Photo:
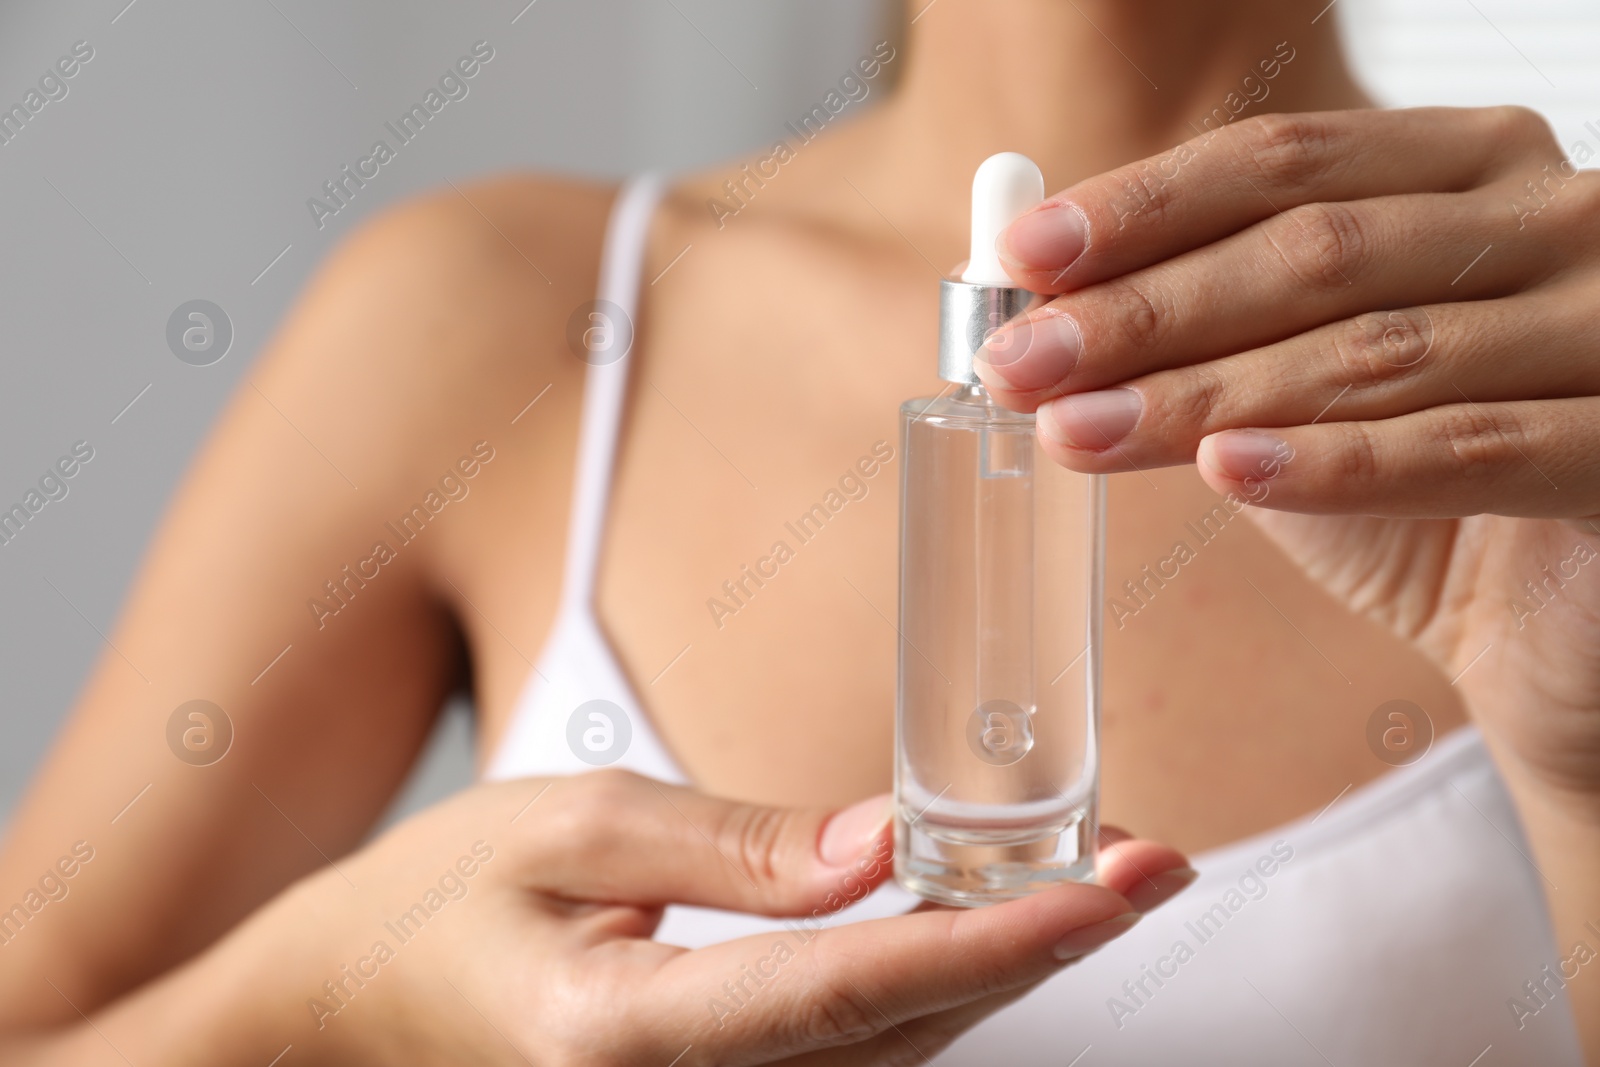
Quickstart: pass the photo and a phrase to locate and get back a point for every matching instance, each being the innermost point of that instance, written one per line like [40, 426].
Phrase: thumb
[621, 838]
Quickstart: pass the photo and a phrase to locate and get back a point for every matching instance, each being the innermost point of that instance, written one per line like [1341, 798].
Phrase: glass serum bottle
[1001, 560]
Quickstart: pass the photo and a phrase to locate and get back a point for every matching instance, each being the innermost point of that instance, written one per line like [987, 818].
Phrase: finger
[620, 838]
[1314, 265]
[1374, 366]
[844, 985]
[1231, 177]
[1533, 459]
[916, 1041]
[1146, 873]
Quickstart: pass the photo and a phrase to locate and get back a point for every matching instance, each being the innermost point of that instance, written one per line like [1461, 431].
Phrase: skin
[210, 912]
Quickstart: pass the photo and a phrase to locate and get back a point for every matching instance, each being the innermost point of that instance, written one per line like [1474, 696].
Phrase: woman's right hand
[542, 953]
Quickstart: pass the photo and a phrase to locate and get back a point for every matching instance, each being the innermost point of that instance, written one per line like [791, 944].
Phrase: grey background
[179, 164]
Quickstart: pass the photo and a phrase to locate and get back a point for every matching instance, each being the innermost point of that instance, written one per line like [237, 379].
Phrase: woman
[1350, 304]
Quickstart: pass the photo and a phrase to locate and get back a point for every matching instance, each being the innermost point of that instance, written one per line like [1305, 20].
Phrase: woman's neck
[1082, 86]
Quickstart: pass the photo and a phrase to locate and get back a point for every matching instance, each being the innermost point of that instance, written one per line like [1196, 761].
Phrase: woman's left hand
[1348, 315]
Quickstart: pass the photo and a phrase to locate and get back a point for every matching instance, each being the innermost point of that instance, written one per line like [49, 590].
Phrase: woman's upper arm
[286, 588]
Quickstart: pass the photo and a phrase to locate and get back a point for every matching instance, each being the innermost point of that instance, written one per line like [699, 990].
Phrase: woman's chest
[748, 577]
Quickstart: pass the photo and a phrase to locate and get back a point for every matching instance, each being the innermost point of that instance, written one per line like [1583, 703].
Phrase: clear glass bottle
[1001, 560]
[997, 730]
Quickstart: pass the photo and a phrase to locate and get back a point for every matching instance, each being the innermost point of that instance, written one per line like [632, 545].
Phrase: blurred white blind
[1541, 53]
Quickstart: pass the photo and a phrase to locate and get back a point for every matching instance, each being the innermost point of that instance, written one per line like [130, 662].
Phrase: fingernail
[1050, 237]
[850, 831]
[1034, 352]
[1091, 421]
[1086, 939]
[1157, 889]
[1241, 454]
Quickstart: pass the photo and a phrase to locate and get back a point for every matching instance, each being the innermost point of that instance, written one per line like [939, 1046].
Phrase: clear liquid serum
[1001, 560]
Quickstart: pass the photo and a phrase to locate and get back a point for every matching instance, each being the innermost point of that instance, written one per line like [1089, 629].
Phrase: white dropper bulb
[1004, 187]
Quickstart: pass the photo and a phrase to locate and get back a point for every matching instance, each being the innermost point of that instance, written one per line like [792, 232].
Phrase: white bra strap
[609, 339]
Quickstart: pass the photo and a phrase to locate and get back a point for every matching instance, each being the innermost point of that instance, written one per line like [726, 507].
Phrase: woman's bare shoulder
[442, 329]
[455, 301]
[441, 332]
[434, 325]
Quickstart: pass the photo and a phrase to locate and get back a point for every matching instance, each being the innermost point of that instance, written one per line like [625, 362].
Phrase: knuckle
[1200, 399]
[990, 977]
[1140, 315]
[1285, 151]
[604, 795]
[1583, 195]
[757, 836]
[1521, 126]
[592, 809]
[1323, 245]
[1478, 440]
[838, 1015]
[833, 1009]
[1374, 350]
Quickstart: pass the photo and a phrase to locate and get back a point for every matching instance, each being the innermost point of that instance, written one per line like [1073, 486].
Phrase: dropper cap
[984, 299]
[1004, 187]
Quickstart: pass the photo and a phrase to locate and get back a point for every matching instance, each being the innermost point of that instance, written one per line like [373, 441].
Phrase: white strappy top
[1405, 925]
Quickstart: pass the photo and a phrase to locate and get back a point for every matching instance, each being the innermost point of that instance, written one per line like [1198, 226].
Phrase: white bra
[1400, 926]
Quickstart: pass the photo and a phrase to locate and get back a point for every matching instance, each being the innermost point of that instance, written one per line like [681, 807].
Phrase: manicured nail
[1050, 237]
[1157, 889]
[851, 831]
[1034, 352]
[1241, 454]
[1086, 939]
[1091, 421]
